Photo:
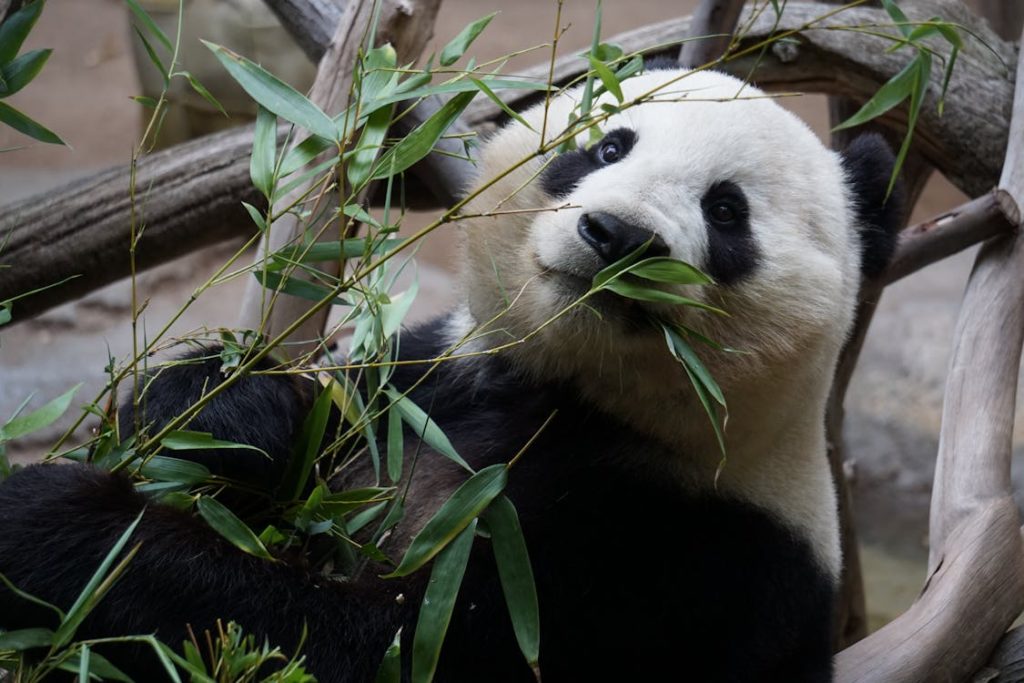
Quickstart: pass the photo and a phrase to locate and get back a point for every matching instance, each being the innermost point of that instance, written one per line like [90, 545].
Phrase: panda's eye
[609, 152]
[723, 213]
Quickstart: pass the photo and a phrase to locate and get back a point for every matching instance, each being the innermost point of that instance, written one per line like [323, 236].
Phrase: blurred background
[894, 402]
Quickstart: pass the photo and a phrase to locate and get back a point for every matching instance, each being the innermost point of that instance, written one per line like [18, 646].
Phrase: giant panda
[654, 559]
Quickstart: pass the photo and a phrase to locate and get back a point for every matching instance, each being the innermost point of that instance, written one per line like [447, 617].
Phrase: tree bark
[711, 29]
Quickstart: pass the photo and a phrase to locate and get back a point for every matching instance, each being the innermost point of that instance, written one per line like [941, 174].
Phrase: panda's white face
[718, 175]
[714, 174]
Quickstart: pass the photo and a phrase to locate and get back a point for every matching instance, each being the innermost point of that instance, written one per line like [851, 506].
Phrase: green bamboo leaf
[274, 94]
[186, 440]
[641, 293]
[37, 419]
[88, 663]
[5, 313]
[264, 151]
[150, 25]
[898, 17]
[663, 269]
[608, 79]
[303, 153]
[30, 598]
[922, 78]
[950, 63]
[26, 639]
[950, 33]
[224, 522]
[616, 269]
[100, 582]
[468, 501]
[685, 354]
[15, 29]
[371, 141]
[23, 124]
[396, 445]
[294, 286]
[421, 140]
[20, 72]
[509, 111]
[424, 427]
[392, 314]
[460, 86]
[307, 447]
[153, 57]
[165, 469]
[895, 90]
[147, 102]
[256, 215]
[354, 247]
[390, 670]
[201, 90]
[460, 43]
[516, 574]
[439, 603]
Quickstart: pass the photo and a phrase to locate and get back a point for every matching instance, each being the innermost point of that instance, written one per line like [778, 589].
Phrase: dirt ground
[83, 93]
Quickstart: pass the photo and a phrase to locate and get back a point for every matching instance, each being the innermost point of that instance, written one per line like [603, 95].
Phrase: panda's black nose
[613, 239]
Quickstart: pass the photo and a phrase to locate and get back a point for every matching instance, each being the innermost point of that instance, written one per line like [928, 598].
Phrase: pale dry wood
[966, 143]
[711, 28]
[310, 22]
[950, 233]
[408, 26]
[1007, 662]
[968, 602]
[82, 231]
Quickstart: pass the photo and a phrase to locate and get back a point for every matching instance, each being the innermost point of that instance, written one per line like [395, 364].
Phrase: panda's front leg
[58, 522]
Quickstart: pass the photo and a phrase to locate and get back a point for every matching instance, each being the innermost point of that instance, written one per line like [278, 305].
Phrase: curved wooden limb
[711, 29]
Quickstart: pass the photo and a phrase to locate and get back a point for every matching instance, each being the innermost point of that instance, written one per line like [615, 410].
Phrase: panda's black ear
[868, 162]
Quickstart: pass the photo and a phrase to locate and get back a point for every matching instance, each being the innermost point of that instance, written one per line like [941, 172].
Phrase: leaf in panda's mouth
[625, 278]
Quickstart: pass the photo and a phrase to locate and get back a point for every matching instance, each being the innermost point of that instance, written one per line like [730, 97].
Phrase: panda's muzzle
[614, 239]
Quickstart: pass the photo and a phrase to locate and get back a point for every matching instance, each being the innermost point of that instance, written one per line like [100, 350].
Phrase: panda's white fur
[789, 320]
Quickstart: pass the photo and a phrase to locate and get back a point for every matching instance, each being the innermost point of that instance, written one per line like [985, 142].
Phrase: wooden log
[82, 230]
[407, 26]
[711, 29]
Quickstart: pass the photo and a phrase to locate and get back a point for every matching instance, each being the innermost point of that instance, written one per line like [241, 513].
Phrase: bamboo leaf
[419, 143]
[264, 151]
[439, 603]
[509, 111]
[662, 269]
[307, 447]
[166, 469]
[150, 25]
[392, 314]
[460, 43]
[274, 94]
[256, 216]
[15, 29]
[185, 440]
[425, 428]
[295, 286]
[922, 77]
[201, 90]
[685, 354]
[396, 445]
[608, 79]
[39, 418]
[641, 293]
[354, 247]
[895, 90]
[26, 639]
[460, 86]
[468, 501]
[23, 124]
[20, 72]
[516, 574]
[237, 532]
[97, 586]
[153, 57]
[898, 17]
[370, 143]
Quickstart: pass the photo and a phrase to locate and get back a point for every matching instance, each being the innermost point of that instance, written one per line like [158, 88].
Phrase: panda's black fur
[636, 580]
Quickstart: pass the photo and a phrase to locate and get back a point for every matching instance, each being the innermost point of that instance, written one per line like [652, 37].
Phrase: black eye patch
[569, 169]
[732, 251]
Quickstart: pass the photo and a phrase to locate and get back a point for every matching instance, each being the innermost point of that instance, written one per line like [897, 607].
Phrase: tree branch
[711, 29]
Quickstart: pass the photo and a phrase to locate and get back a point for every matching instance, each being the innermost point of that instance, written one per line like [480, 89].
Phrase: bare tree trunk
[711, 28]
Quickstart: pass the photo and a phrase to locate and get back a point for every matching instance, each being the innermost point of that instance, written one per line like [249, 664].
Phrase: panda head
[706, 170]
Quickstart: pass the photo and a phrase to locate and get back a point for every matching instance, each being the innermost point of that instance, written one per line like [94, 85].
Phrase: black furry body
[636, 580]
